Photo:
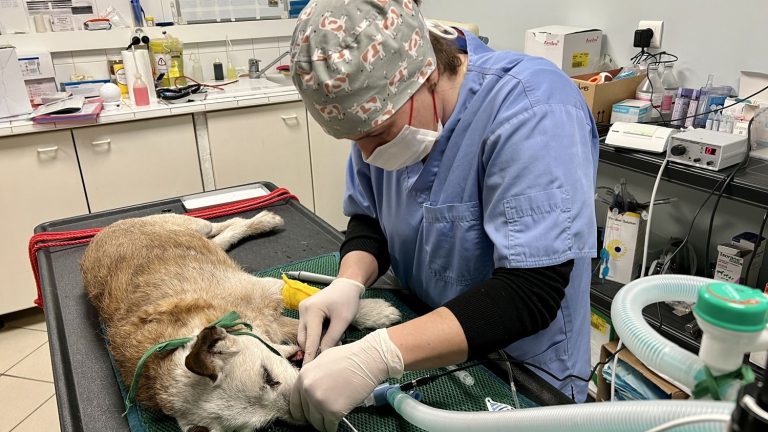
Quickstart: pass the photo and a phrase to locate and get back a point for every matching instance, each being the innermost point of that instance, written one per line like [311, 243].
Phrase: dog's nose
[296, 359]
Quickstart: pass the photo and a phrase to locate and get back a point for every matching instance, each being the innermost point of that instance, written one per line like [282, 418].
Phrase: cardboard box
[733, 258]
[575, 50]
[601, 332]
[604, 387]
[631, 111]
[15, 100]
[624, 236]
[601, 97]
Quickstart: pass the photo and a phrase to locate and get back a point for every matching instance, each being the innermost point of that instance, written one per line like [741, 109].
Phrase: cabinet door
[329, 168]
[137, 162]
[39, 182]
[262, 143]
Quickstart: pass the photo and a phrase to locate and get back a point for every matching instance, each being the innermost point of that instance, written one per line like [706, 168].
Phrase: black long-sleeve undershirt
[511, 305]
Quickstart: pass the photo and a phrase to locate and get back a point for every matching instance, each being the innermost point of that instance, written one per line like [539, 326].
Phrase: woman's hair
[446, 51]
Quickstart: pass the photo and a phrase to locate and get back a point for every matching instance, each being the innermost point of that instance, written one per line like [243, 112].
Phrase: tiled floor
[27, 396]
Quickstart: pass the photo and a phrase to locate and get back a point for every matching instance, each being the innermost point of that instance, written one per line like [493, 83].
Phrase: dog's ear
[198, 429]
[201, 359]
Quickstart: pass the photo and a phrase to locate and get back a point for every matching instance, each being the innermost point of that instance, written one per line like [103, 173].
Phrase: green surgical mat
[447, 393]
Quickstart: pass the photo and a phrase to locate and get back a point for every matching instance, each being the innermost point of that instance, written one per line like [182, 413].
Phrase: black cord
[720, 195]
[711, 223]
[740, 100]
[757, 246]
[690, 228]
[421, 381]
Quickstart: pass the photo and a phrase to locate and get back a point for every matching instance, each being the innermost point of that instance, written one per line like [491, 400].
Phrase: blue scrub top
[509, 183]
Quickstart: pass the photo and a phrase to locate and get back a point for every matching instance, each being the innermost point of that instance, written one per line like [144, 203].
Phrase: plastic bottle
[652, 90]
[197, 68]
[140, 91]
[671, 85]
[693, 107]
[710, 119]
[680, 109]
[231, 71]
[701, 120]
[218, 70]
[717, 119]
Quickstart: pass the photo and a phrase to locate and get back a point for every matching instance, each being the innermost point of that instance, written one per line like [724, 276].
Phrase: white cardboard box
[624, 237]
[13, 94]
[575, 50]
[733, 259]
[631, 111]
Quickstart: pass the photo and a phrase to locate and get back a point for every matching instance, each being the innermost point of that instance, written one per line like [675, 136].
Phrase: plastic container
[671, 85]
[651, 90]
[140, 91]
[167, 59]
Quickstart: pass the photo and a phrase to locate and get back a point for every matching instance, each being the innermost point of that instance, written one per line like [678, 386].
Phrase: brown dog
[159, 278]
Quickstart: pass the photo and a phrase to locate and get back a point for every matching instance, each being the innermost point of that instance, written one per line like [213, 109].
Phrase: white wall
[738, 42]
[709, 36]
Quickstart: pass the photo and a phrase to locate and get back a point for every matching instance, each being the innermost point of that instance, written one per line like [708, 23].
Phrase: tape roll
[601, 78]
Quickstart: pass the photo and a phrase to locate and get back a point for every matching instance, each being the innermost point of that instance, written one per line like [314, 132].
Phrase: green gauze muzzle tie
[229, 322]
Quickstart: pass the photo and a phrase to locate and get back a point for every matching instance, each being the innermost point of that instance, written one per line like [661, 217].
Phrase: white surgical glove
[341, 378]
[337, 302]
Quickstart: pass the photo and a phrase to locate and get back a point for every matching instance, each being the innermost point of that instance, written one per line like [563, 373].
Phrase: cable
[757, 246]
[722, 190]
[512, 386]
[427, 379]
[344, 419]
[668, 260]
[650, 216]
[613, 369]
[740, 100]
[720, 418]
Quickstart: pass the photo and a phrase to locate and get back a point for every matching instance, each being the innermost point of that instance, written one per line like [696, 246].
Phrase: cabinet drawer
[262, 143]
[39, 182]
[136, 162]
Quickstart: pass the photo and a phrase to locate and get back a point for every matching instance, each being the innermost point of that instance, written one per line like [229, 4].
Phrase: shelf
[750, 187]
[119, 37]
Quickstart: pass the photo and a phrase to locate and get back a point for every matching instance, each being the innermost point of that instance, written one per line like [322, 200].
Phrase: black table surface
[86, 389]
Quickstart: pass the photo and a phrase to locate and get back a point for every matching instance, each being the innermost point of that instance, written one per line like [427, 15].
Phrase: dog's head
[232, 383]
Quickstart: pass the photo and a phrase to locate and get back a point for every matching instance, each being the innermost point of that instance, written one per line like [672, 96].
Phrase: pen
[310, 277]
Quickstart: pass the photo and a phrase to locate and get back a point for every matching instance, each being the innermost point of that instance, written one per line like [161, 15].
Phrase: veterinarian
[472, 175]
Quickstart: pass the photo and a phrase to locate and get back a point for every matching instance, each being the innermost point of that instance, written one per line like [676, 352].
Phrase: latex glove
[338, 302]
[341, 378]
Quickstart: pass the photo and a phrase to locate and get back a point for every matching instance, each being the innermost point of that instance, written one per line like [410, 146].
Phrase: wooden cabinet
[137, 162]
[39, 182]
[262, 143]
[329, 168]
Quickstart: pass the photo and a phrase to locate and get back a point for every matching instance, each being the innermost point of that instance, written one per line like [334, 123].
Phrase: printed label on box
[580, 60]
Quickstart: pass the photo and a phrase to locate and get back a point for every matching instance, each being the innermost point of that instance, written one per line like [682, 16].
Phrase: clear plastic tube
[644, 342]
[603, 417]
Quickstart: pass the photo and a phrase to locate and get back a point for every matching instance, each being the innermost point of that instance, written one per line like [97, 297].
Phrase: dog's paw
[266, 221]
[375, 313]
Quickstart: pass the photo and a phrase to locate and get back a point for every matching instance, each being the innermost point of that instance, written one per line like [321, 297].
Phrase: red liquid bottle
[140, 91]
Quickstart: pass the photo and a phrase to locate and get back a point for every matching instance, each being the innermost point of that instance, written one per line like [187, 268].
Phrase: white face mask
[408, 147]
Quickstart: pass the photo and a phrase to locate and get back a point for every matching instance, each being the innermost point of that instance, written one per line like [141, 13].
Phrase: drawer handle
[102, 142]
[48, 151]
[290, 117]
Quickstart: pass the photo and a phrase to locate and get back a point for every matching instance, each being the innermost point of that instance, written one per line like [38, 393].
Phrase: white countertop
[245, 92]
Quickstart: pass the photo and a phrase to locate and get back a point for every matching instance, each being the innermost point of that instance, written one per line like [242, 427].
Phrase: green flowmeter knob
[732, 307]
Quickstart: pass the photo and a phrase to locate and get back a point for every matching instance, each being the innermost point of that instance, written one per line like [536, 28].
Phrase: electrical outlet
[658, 30]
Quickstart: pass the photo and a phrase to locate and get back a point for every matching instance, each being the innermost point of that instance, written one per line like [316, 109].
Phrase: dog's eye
[268, 378]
